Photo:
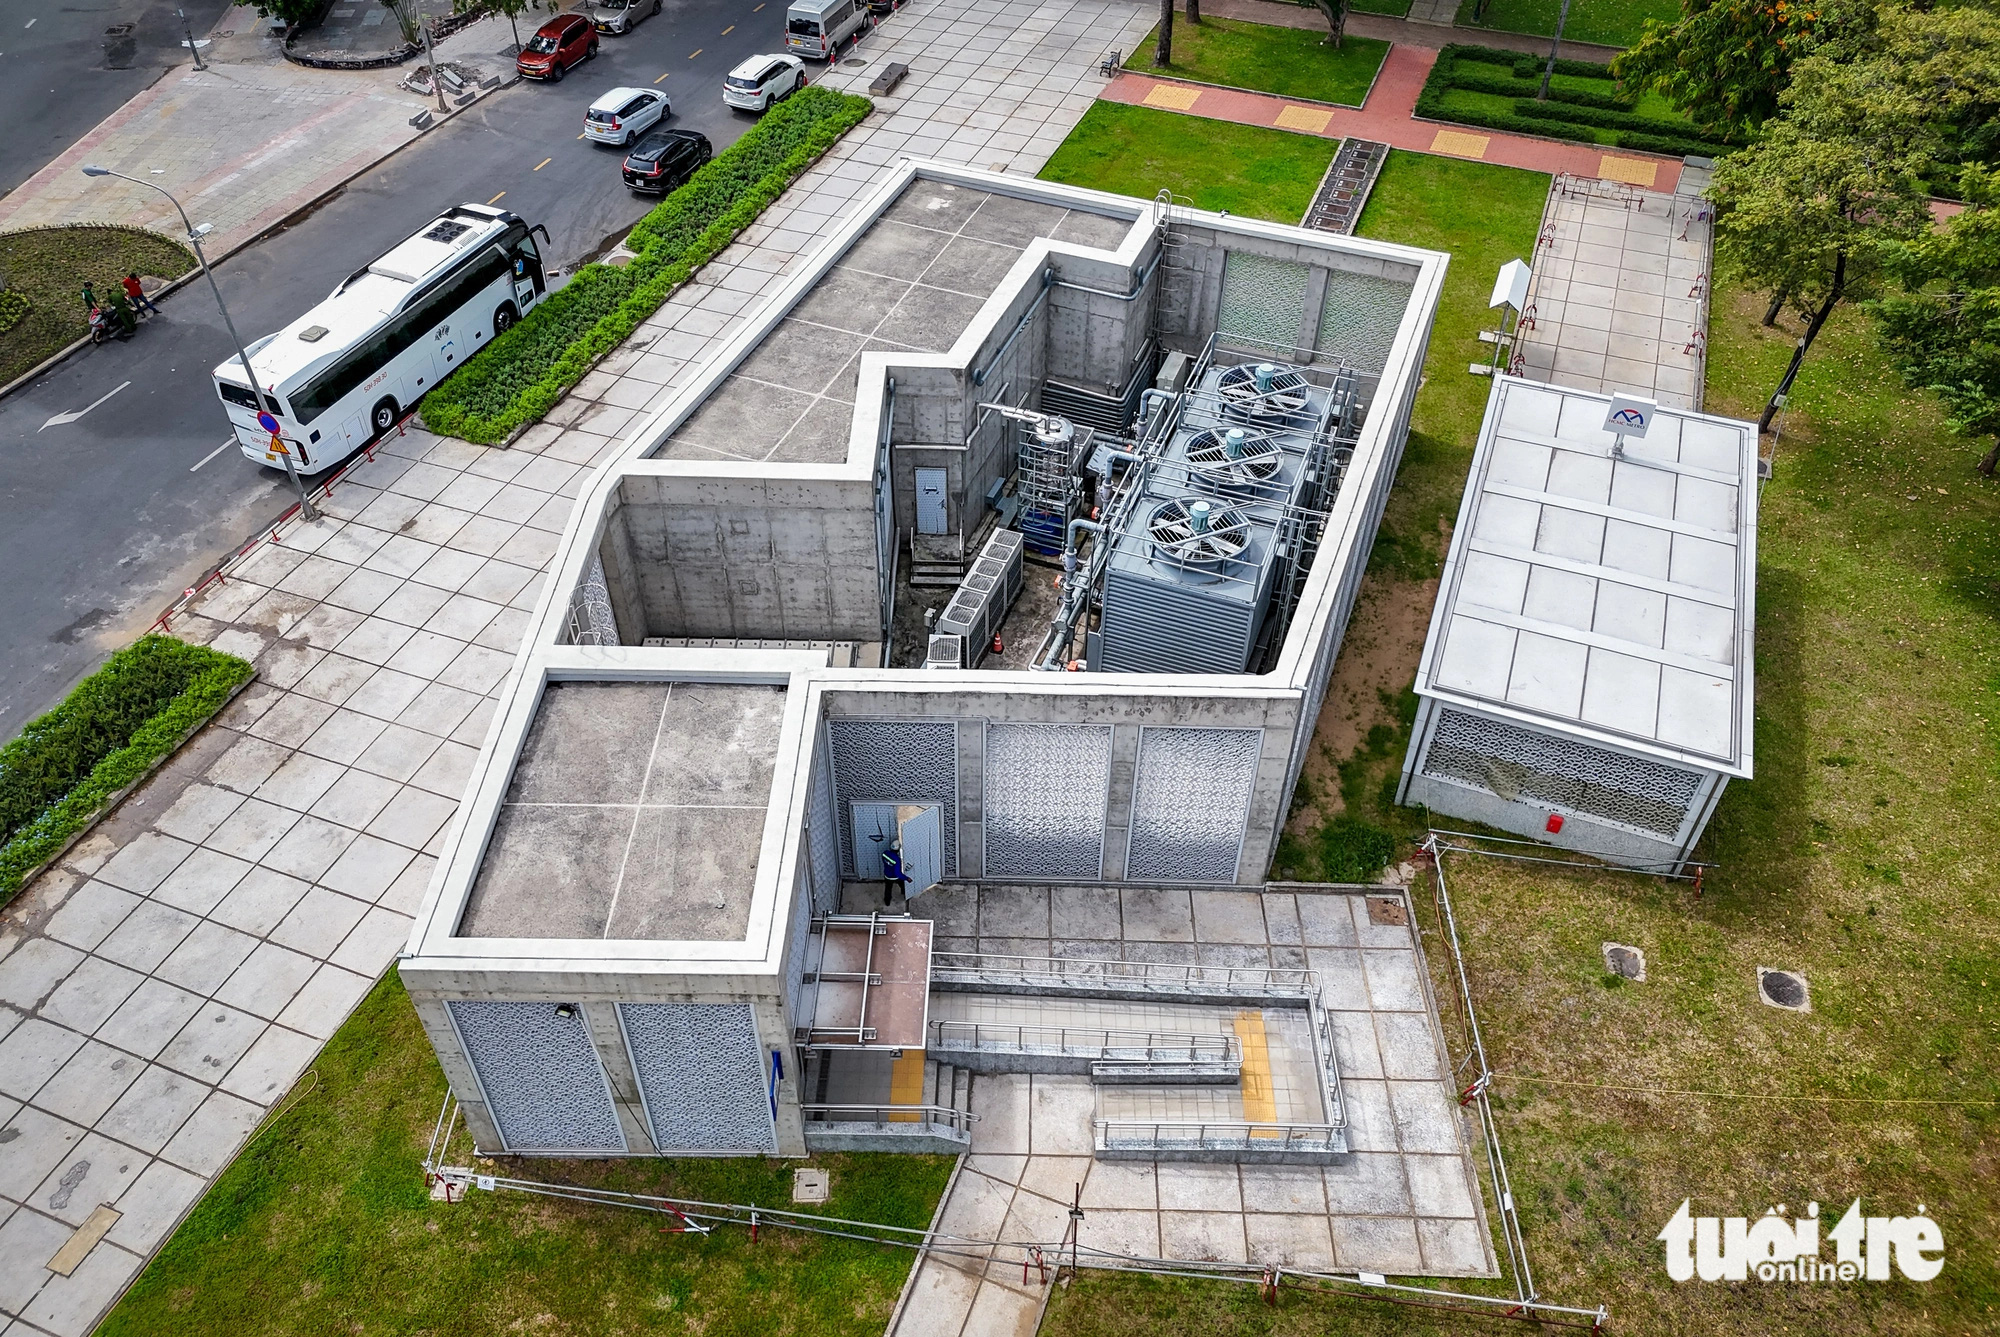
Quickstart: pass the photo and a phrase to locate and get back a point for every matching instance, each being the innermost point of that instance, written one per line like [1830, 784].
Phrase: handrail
[1092, 1041]
[1217, 1133]
[1275, 980]
[960, 1120]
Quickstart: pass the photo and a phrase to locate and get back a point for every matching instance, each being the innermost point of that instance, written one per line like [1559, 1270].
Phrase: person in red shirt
[137, 292]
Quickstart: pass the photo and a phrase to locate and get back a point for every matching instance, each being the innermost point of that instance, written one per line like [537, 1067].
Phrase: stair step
[961, 1089]
[931, 1073]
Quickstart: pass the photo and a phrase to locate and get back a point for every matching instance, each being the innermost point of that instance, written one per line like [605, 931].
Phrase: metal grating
[1046, 794]
[544, 1085]
[1191, 803]
[1263, 300]
[895, 761]
[701, 1071]
[1519, 764]
[1343, 191]
[1358, 324]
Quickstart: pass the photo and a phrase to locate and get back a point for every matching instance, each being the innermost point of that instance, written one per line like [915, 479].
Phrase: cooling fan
[1233, 457]
[1263, 390]
[1191, 532]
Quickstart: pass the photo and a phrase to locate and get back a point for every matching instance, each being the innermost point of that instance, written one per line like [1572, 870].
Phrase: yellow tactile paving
[1312, 120]
[906, 1083]
[1173, 97]
[1636, 171]
[1460, 145]
[1260, 1102]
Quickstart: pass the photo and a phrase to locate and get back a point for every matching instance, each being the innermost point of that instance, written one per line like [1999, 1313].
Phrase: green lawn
[324, 1225]
[1291, 62]
[1394, 9]
[1605, 22]
[1244, 169]
[49, 266]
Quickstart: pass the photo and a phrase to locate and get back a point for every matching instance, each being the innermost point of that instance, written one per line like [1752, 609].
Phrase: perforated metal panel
[895, 761]
[544, 1085]
[823, 838]
[1358, 323]
[1263, 300]
[701, 1072]
[1046, 791]
[1191, 802]
[795, 949]
[591, 621]
[1520, 764]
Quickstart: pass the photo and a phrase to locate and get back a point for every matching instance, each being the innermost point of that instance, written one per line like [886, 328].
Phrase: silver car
[621, 16]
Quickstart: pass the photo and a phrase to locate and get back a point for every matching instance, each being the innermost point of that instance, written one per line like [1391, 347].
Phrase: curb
[295, 216]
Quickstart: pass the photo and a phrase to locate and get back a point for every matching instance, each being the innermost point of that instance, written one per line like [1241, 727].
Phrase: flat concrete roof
[1611, 595]
[911, 283]
[636, 811]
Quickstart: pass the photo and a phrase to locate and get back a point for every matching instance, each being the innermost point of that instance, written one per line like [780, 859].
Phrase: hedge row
[117, 723]
[1601, 119]
[1478, 80]
[522, 374]
[1524, 67]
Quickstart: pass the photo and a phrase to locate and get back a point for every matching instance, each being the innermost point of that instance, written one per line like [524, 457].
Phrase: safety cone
[997, 647]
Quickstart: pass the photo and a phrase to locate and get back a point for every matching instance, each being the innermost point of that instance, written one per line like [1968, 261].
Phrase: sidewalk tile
[355, 799]
[270, 1067]
[153, 1204]
[399, 752]
[210, 1044]
[150, 1018]
[33, 1052]
[374, 942]
[366, 870]
[197, 812]
[90, 994]
[105, 1169]
[212, 951]
[324, 1003]
[152, 1109]
[212, 1133]
[144, 863]
[89, 1084]
[252, 830]
[318, 922]
[265, 982]
[89, 915]
[309, 848]
[148, 936]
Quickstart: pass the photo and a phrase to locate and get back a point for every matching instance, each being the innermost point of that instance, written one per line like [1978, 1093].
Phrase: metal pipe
[1048, 280]
[1138, 284]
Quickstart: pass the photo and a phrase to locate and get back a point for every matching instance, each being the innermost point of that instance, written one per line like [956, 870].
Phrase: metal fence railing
[987, 968]
[1090, 1042]
[891, 1117]
[1215, 1135]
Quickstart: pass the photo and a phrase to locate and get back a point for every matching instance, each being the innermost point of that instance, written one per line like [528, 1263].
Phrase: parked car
[761, 80]
[557, 47]
[623, 114]
[664, 160]
[620, 16]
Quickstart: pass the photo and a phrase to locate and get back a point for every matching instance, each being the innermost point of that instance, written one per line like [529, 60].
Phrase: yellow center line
[496, 198]
[543, 163]
[697, 51]
[662, 79]
[730, 29]
[579, 136]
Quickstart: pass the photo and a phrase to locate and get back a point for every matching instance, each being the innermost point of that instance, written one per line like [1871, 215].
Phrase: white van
[816, 28]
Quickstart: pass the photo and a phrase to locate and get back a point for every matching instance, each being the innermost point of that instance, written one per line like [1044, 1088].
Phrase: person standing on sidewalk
[136, 291]
[893, 876]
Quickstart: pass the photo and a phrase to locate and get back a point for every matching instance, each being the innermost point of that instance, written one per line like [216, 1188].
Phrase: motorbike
[104, 325]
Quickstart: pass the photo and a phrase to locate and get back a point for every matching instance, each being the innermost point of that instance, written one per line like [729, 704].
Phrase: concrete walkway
[1390, 118]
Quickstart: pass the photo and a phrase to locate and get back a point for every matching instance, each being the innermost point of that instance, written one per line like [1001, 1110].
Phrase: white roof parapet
[1609, 597]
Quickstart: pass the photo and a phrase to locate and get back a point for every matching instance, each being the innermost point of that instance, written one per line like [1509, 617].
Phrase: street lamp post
[306, 508]
[188, 24]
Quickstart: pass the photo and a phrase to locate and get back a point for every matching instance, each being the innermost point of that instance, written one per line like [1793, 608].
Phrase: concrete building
[657, 924]
[1587, 680]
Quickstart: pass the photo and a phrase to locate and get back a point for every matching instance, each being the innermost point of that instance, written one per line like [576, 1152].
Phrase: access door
[930, 501]
[917, 825]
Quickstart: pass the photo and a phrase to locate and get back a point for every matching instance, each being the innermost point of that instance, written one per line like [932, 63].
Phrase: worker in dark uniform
[893, 876]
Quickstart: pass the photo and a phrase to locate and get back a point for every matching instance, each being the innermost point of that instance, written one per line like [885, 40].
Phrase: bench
[885, 82]
[1109, 65]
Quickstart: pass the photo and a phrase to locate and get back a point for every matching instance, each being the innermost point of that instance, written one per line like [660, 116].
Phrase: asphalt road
[104, 519]
[64, 68]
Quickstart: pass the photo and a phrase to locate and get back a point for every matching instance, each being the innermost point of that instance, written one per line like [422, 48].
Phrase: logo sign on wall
[1776, 1247]
[1629, 415]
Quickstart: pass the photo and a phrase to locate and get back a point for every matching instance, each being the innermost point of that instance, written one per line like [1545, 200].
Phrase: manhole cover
[855, 63]
[118, 30]
[1626, 962]
[1784, 988]
[1387, 910]
[810, 1185]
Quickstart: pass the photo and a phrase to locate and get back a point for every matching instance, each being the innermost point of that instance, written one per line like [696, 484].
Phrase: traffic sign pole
[270, 424]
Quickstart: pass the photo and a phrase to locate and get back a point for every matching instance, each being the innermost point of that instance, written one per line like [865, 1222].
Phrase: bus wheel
[383, 416]
[504, 318]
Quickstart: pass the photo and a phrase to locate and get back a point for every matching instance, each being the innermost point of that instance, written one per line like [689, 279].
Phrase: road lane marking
[496, 199]
[62, 418]
[227, 442]
[543, 163]
[662, 79]
[730, 29]
[755, 10]
[579, 136]
[697, 51]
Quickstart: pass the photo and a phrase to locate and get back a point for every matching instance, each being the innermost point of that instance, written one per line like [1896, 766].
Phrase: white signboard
[1511, 287]
[1629, 415]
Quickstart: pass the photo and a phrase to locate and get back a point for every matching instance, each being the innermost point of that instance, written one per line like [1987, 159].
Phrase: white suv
[623, 114]
[761, 80]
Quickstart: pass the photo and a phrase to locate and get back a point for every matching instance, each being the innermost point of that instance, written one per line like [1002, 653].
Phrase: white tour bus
[816, 28]
[343, 373]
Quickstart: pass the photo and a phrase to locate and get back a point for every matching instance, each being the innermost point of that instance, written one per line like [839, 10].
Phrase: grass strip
[525, 372]
[1244, 169]
[114, 727]
[1603, 22]
[1290, 62]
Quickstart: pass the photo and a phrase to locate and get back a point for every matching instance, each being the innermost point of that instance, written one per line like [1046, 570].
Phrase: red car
[555, 47]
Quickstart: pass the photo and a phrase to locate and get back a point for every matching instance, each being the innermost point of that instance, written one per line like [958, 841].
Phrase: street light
[195, 234]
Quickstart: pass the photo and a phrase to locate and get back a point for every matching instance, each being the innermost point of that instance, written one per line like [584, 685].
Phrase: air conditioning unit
[984, 596]
[946, 652]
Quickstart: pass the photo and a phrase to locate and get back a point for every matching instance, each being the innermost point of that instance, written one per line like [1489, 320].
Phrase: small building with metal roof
[1587, 679]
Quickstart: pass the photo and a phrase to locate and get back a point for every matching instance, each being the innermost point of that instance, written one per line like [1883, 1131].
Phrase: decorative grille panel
[895, 761]
[544, 1085]
[1264, 302]
[1191, 802]
[1517, 764]
[824, 838]
[1047, 788]
[591, 621]
[701, 1070]
[1359, 321]
[795, 951]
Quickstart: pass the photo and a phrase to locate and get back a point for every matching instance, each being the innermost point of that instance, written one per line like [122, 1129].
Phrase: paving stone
[209, 1045]
[99, 1170]
[319, 1008]
[374, 942]
[1325, 921]
[318, 923]
[309, 848]
[89, 1084]
[89, 915]
[27, 1241]
[259, 904]
[270, 1067]
[1157, 916]
[1229, 917]
[145, 862]
[33, 1052]
[71, 1304]
[267, 979]
[198, 811]
[1454, 1248]
[150, 1018]
[412, 817]
[1426, 1119]
[252, 830]
[153, 1204]
[148, 936]
[90, 994]
[153, 1108]
[1385, 1244]
[202, 881]
[1203, 1237]
[212, 1133]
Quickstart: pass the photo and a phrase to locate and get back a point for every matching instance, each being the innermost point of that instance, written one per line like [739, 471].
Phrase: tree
[1335, 14]
[1943, 329]
[1844, 167]
[407, 18]
[1194, 12]
[291, 13]
[1163, 50]
[513, 9]
[1725, 62]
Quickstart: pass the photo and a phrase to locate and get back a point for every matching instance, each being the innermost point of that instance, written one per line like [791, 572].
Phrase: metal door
[930, 501]
[917, 825]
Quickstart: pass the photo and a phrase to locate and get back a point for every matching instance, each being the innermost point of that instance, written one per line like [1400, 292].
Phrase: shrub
[110, 730]
[13, 306]
[1351, 850]
[1480, 79]
[1602, 119]
[522, 374]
